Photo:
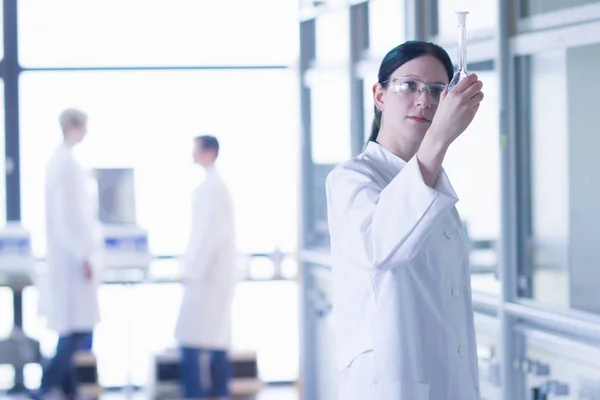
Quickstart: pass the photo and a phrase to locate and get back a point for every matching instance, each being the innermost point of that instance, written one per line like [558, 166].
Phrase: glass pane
[261, 268]
[332, 30]
[330, 124]
[146, 121]
[482, 15]
[138, 32]
[532, 7]
[473, 166]
[386, 25]
[289, 268]
[561, 222]
[6, 312]
[7, 377]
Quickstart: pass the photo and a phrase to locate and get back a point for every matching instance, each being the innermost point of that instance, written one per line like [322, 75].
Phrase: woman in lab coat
[68, 293]
[402, 299]
[204, 324]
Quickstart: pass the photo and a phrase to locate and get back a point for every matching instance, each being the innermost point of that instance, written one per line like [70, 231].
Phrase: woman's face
[407, 114]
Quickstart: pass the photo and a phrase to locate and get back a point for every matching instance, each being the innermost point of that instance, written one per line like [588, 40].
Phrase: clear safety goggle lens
[414, 88]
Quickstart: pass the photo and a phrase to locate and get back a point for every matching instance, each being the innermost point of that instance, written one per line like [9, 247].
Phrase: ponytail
[376, 125]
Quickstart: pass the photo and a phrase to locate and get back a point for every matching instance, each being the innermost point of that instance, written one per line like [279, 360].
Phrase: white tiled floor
[279, 394]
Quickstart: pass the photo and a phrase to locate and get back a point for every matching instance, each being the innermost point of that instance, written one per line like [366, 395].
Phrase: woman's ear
[379, 96]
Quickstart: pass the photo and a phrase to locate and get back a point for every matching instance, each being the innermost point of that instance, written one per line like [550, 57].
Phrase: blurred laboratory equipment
[16, 272]
[461, 72]
[126, 244]
[16, 258]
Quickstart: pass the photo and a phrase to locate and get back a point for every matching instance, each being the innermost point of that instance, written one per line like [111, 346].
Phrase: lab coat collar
[376, 150]
[66, 147]
[211, 172]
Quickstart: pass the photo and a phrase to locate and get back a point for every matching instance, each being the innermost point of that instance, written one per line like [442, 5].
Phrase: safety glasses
[412, 87]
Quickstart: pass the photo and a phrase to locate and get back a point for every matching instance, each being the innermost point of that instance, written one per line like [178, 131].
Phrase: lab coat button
[455, 292]
[461, 351]
[446, 235]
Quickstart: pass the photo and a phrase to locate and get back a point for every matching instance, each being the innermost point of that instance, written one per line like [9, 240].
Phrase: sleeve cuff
[444, 186]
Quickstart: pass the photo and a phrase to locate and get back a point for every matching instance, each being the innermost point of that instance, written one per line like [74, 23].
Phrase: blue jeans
[88, 342]
[61, 370]
[204, 373]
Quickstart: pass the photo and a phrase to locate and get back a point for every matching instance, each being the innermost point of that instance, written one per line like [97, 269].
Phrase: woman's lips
[416, 118]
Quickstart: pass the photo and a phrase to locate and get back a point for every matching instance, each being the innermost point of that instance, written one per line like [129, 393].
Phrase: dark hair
[400, 55]
[207, 142]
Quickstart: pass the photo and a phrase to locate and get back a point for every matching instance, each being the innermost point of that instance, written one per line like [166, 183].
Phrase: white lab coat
[209, 274]
[70, 302]
[402, 296]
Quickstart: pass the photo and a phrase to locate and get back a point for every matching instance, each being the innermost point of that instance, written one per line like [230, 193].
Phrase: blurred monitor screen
[116, 196]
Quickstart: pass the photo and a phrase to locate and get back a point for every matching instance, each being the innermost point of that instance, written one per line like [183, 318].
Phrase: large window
[146, 120]
[330, 116]
[386, 25]
[482, 15]
[560, 178]
[329, 28]
[144, 33]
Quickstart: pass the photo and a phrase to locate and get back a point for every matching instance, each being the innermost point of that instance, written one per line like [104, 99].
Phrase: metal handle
[558, 388]
[554, 388]
[534, 367]
[536, 394]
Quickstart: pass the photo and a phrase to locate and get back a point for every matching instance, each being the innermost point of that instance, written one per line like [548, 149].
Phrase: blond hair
[72, 117]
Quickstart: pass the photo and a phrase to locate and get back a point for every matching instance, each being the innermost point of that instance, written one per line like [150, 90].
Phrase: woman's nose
[423, 100]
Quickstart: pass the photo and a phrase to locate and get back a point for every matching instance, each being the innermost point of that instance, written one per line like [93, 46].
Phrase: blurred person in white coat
[74, 243]
[402, 313]
[204, 325]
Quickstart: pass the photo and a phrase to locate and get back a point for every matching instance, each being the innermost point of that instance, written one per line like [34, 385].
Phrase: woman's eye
[408, 86]
[436, 91]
